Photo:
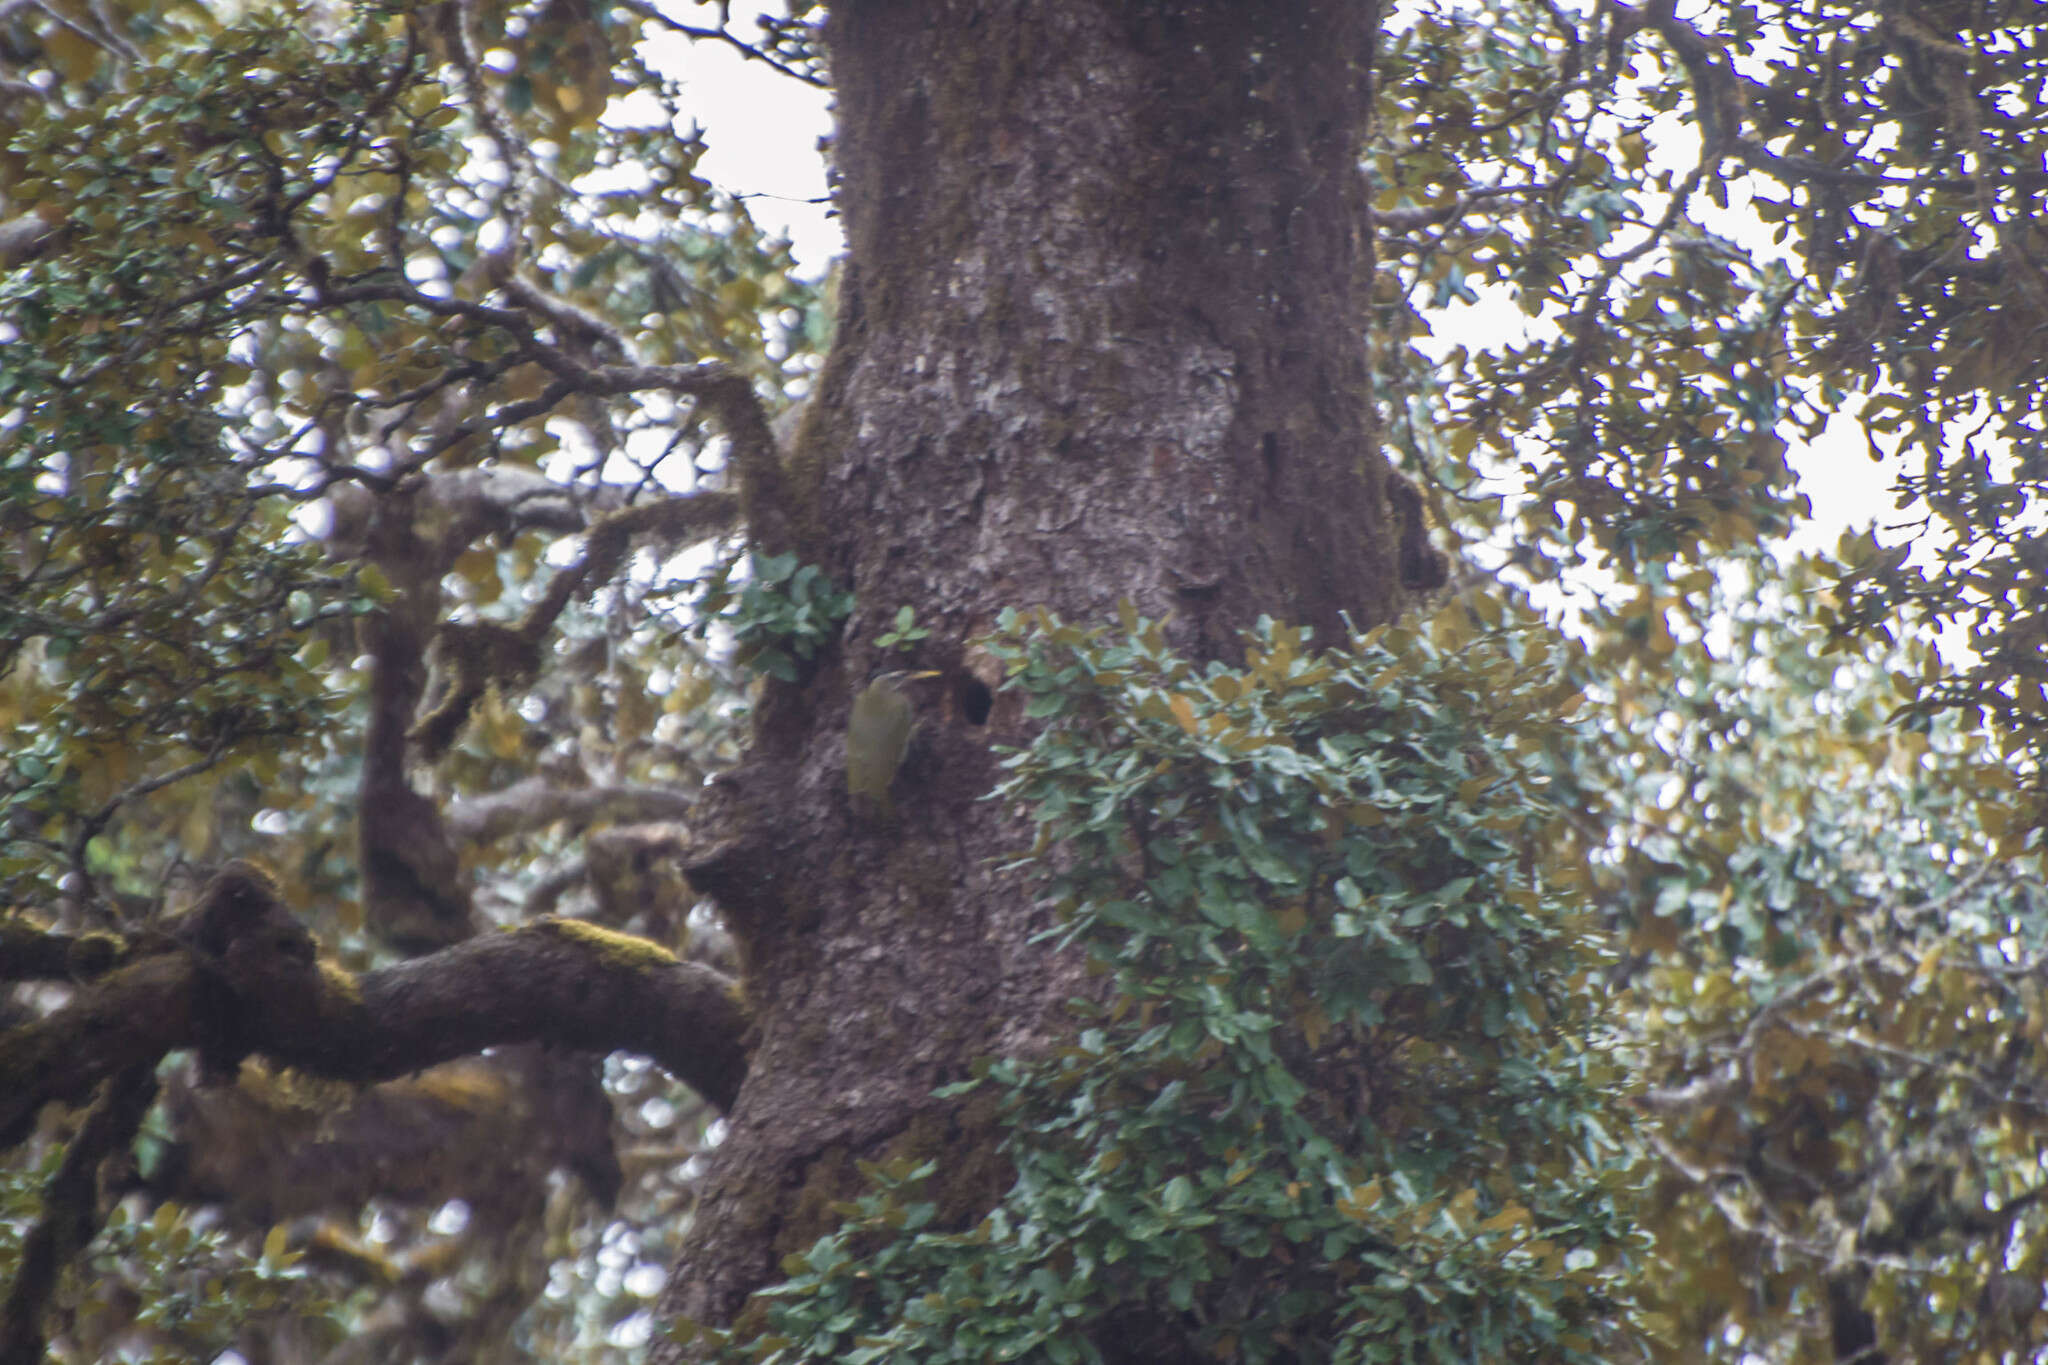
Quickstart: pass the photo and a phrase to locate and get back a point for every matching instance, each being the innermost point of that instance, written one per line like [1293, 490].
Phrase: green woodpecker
[877, 738]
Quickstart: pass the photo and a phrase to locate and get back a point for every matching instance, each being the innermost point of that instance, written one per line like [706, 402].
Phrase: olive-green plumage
[877, 738]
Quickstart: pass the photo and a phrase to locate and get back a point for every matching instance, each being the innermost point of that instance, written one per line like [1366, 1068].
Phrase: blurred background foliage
[1811, 803]
[260, 264]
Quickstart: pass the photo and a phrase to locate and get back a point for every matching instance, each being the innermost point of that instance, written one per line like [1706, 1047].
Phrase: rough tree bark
[1102, 337]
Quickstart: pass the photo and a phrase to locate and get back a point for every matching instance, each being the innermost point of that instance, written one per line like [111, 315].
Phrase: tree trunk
[1102, 337]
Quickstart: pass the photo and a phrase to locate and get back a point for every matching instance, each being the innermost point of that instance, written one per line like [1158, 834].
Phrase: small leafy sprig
[904, 633]
[781, 615]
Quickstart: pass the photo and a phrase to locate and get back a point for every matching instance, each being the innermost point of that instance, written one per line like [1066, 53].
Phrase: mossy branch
[238, 977]
[71, 1213]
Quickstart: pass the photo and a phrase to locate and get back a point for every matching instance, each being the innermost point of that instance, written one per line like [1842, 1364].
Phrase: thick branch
[537, 801]
[132, 1018]
[488, 1130]
[555, 981]
[415, 894]
[31, 954]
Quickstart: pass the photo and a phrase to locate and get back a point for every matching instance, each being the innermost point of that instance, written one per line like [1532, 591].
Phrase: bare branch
[746, 49]
[480, 654]
[673, 521]
[1411, 220]
[537, 801]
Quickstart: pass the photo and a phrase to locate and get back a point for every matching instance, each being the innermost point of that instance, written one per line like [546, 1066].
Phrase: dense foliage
[1836, 1003]
[1731, 228]
[1345, 1098]
[254, 290]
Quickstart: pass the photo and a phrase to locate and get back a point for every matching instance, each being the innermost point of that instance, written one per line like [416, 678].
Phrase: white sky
[761, 131]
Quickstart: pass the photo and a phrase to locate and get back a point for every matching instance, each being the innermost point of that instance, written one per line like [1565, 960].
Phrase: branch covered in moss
[28, 953]
[70, 1210]
[242, 980]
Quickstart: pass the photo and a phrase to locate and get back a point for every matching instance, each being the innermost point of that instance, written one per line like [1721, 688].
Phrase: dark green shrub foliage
[1346, 1100]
